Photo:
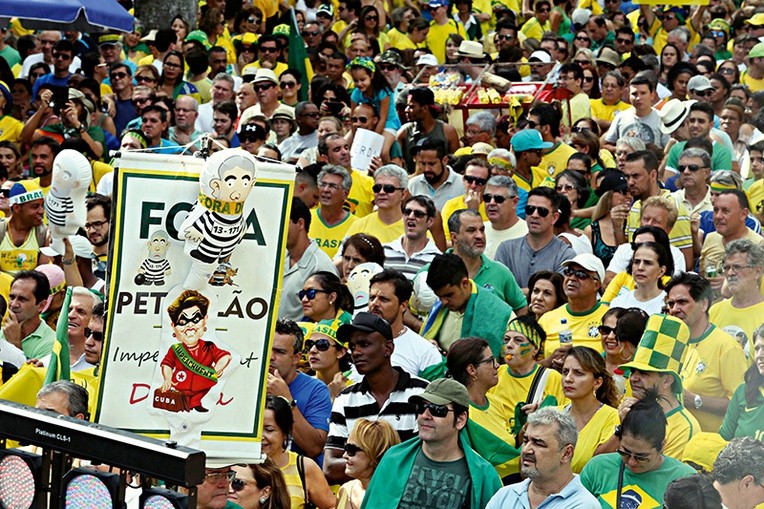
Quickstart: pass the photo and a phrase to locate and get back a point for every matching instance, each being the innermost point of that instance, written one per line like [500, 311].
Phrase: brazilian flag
[58, 368]
[298, 57]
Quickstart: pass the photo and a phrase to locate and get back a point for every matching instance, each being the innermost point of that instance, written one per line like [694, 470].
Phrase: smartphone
[59, 99]
[335, 107]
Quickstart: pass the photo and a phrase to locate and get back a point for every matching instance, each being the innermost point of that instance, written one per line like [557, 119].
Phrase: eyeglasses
[171, 65]
[95, 225]
[268, 49]
[371, 18]
[185, 320]
[310, 34]
[734, 268]
[582, 129]
[625, 455]
[321, 345]
[253, 19]
[544, 9]
[387, 188]
[288, 84]
[504, 37]
[582, 62]
[605, 330]
[717, 33]
[475, 180]
[388, 67]
[141, 100]
[118, 75]
[141, 79]
[577, 273]
[692, 167]
[98, 336]
[248, 49]
[588, 79]
[492, 360]
[62, 56]
[530, 210]
[419, 214]
[565, 187]
[238, 485]
[326, 185]
[499, 199]
[310, 293]
[435, 410]
[214, 477]
[352, 449]
[726, 70]
[531, 124]
[362, 120]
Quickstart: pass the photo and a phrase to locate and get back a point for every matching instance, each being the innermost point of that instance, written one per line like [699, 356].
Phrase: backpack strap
[301, 473]
[536, 390]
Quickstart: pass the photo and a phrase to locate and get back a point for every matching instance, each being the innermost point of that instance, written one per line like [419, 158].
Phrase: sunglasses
[185, 320]
[624, 41]
[321, 345]
[577, 273]
[499, 199]
[531, 124]
[371, 18]
[352, 449]
[388, 67]
[253, 19]
[605, 330]
[582, 129]
[362, 120]
[504, 37]
[717, 33]
[118, 75]
[565, 187]
[98, 336]
[582, 62]
[310, 293]
[588, 79]
[435, 410]
[585, 39]
[264, 86]
[726, 70]
[215, 477]
[388, 188]
[625, 455]
[141, 79]
[238, 485]
[141, 100]
[268, 49]
[547, 9]
[5, 193]
[419, 214]
[530, 210]
[692, 167]
[288, 84]
[248, 49]
[62, 56]
[310, 34]
[475, 180]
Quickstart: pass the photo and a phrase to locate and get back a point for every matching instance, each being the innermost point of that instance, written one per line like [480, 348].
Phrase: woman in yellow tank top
[277, 428]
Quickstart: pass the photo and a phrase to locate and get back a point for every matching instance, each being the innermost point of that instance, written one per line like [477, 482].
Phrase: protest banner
[186, 352]
[366, 144]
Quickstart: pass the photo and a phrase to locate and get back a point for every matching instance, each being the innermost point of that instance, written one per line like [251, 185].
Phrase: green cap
[444, 391]
[200, 37]
[757, 51]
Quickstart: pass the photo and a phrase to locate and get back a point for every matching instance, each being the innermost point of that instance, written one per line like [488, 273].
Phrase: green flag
[298, 57]
[58, 368]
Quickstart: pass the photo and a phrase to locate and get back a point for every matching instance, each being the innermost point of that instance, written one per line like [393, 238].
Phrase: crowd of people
[555, 303]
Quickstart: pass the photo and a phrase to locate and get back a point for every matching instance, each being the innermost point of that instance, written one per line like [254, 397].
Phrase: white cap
[427, 59]
[541, 56]
[589, 262]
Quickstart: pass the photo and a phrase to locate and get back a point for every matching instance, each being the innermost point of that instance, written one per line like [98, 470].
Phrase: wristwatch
[293, 404]
[698, 401]
[617, 432]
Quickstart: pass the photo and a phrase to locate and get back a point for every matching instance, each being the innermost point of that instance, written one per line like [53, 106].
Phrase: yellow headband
[525, 330]
[718, 187]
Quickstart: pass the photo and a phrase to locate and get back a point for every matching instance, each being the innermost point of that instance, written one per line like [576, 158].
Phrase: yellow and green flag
[58, 368]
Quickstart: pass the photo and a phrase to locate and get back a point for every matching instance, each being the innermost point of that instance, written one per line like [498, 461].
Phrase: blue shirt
[393, 122]
[707, 223]
[572, 496]
[49, 79]
[167, 147]
[315, 404]
[126, 113]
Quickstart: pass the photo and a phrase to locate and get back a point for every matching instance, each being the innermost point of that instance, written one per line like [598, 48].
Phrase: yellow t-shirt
[495, 419]
[602, 111]
[10, 129]
[280, 67]
[360, 199]
[396, 38]
[680, 235]
[484, 7]
[99, 170]
[756, 197]
[553, 162]
[753, 84]
[406, 43]
[607, 158]
[436, 37]
[513, 389]
[533, 29]
[329, 238]
[681, 426]
[371, 225]
[712, 252]
[740, 323]
[579, 108]
[702, 372]
[660, 36]
[455, 204]
[584, 327]
[24, 257]
[596, 432]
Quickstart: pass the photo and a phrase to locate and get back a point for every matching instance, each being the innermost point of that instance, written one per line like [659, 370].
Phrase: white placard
[366, 144]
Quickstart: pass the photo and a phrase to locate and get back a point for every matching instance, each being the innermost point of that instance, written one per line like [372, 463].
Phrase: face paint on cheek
[525, 348]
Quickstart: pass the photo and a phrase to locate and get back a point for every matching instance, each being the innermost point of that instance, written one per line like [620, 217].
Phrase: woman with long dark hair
[171, 82]
[649, 263]
[259, 486]
[324, 297]
[745, 413]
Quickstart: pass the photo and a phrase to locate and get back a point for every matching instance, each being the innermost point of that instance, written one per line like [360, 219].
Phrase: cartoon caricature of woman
[193, 366]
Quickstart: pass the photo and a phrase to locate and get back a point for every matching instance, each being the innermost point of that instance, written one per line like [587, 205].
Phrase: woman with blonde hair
[367, 443]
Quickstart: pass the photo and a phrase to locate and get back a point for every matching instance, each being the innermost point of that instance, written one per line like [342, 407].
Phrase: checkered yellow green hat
[662, 347]
[281, 30]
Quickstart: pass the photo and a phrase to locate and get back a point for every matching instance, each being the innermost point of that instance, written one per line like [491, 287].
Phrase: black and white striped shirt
[222, 234]
[57, 207]
[357, 402]
[396, 257]
[154, 270]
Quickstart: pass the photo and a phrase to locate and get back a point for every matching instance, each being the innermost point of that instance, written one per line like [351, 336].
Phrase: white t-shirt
[628, 300]
[495, 237]
[579, 243]
[623, 254]
[413, 353]
[36, 58]
[647, 129]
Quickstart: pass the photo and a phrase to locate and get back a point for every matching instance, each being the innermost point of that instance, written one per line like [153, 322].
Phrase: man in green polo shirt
[24, 329]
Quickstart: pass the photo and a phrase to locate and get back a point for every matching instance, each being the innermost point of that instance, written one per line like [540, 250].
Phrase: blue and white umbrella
[79, 15]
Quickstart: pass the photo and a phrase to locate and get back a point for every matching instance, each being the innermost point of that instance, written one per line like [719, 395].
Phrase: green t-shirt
[742, 419]
[445, 485]
[643, 491]
[721, 159]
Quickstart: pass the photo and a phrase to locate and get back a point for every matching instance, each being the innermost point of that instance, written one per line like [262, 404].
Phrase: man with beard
[97, 228]
[435, 180]
[548, 444]
[438, 467]
[41, 154]
[421, 112]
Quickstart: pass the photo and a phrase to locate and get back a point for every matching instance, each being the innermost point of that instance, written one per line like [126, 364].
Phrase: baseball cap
[529, 139]
[265, 75]
[756, 20]
[325, 10]
[612, 180]
[364, 322]
[427, 59]
[391, 57]
[25, 191]
[434, 4]
[444, 391]
[541, 56]
[109, 39]
[200, 37]
[758, 50]
[700, 83]
[589, 262]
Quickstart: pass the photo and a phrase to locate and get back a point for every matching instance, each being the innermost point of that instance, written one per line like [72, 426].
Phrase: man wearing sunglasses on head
[440, 461]
[383, 394]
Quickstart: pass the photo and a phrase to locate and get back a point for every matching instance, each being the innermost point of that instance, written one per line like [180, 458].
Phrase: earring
[331, 302]
[263, 500]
